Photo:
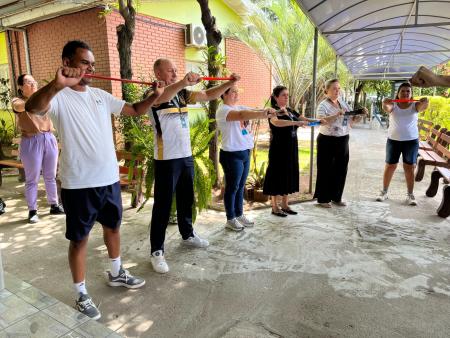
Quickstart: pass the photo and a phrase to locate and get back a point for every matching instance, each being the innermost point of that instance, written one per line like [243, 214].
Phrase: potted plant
[255, 184]
[7, 128]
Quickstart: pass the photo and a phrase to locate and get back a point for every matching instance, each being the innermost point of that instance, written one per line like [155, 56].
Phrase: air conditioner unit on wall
[195, 35]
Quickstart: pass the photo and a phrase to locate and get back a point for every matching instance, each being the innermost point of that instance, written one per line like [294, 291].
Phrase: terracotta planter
[248, 193]
[258, 196]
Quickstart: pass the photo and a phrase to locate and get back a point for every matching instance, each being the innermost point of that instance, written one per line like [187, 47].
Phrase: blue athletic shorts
[408, 150]
[83, 207]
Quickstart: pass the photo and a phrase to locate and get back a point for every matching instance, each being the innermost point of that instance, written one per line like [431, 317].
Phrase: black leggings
[332, 163]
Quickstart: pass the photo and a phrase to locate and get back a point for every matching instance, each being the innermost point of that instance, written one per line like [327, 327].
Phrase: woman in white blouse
[237, 141]
[332, 145]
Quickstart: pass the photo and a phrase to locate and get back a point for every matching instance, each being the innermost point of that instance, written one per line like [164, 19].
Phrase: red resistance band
[101, 77]
[404, 100]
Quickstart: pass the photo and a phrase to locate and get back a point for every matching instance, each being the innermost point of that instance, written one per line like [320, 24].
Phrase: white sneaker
[383, 196]
[196, 241]
[159, 262]
[245, 221]
[234, 224]
[411, 200]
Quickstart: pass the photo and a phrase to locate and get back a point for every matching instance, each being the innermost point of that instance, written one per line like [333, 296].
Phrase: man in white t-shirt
[88, 164]
[174, 165]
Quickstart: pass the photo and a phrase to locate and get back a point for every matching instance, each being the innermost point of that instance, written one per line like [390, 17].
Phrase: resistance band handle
[313, 123]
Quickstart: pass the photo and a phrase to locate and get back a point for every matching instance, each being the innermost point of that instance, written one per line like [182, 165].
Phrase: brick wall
[154, 38]
[47, 38]
[256, 80]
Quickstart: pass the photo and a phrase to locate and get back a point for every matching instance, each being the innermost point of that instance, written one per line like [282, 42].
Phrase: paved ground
[368, 270]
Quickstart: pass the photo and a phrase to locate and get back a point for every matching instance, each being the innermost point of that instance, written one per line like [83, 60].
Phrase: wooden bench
[13, 162]
[425, 127]
[131, 175]
[438, 173]
[437, 156]
[432, 138]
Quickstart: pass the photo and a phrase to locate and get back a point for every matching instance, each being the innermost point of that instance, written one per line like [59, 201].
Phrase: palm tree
[282, 34]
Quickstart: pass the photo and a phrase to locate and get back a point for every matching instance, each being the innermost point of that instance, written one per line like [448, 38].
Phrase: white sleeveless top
[403, 123]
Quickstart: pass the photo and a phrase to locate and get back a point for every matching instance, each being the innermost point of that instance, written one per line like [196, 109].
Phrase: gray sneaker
[125, 279]
[411, 200]
[245, 221]
[234, 224]
[86, 306]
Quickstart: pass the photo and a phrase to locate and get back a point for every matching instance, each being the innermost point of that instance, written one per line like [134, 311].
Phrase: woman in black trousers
[332, 146]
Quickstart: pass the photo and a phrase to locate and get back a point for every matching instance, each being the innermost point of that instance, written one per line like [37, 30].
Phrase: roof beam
[396, 53]
[382, 28]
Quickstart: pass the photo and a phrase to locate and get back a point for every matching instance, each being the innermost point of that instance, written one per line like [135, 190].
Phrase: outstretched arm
[142, 107]
[215, 92]
[422, 104]
[388, 105]
[39, 102]
[426, 78]
[250, 114]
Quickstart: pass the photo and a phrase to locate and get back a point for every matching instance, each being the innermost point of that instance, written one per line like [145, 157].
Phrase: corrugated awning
[20, 13]
[387, 39]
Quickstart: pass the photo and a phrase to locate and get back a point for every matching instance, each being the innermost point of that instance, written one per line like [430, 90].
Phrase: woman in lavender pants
[38, 150]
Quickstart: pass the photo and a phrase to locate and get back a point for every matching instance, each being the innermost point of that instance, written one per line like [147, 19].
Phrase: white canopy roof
[384, 38]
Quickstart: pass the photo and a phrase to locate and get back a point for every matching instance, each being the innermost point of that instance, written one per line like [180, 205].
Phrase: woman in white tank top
[403, 139]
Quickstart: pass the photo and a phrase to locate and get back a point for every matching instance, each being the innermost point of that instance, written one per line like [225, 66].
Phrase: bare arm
[170, 91]
[18, 105]
[388, 105]
[426, 78]
[286, 123]
[422, 104]
[215, 92]
[142, 107]
[252, 114]
[39, 102]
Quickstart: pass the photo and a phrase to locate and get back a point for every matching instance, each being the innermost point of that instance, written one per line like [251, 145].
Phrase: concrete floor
[368, 270]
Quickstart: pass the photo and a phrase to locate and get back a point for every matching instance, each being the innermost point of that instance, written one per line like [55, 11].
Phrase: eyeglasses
[31, 83]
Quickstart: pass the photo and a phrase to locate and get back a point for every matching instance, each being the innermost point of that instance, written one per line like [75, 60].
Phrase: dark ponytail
[275, 93]
[225, 92]
[20, 83]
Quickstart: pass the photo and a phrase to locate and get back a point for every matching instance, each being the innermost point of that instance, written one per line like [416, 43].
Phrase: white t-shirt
[83, 122]
[340, 126]
[403, 123]
[236, 136]
[170, 122]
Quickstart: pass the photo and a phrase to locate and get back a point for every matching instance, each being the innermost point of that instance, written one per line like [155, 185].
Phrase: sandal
[279, 213]
[289, 211]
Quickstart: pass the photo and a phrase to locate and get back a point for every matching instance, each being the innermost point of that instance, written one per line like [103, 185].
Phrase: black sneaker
[125, 279]
[33, 216]
[86, 306]
[2, 206]
[56, 209]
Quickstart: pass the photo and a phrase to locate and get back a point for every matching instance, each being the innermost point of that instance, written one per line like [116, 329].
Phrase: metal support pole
[11, 63]
[2, 279]
[313, 105]
[417, 12]
[336, 66]
[27, 51]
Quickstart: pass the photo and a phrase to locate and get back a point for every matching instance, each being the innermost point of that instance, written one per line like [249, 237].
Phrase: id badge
[345, 121]
[183, 121]
[294, 133]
